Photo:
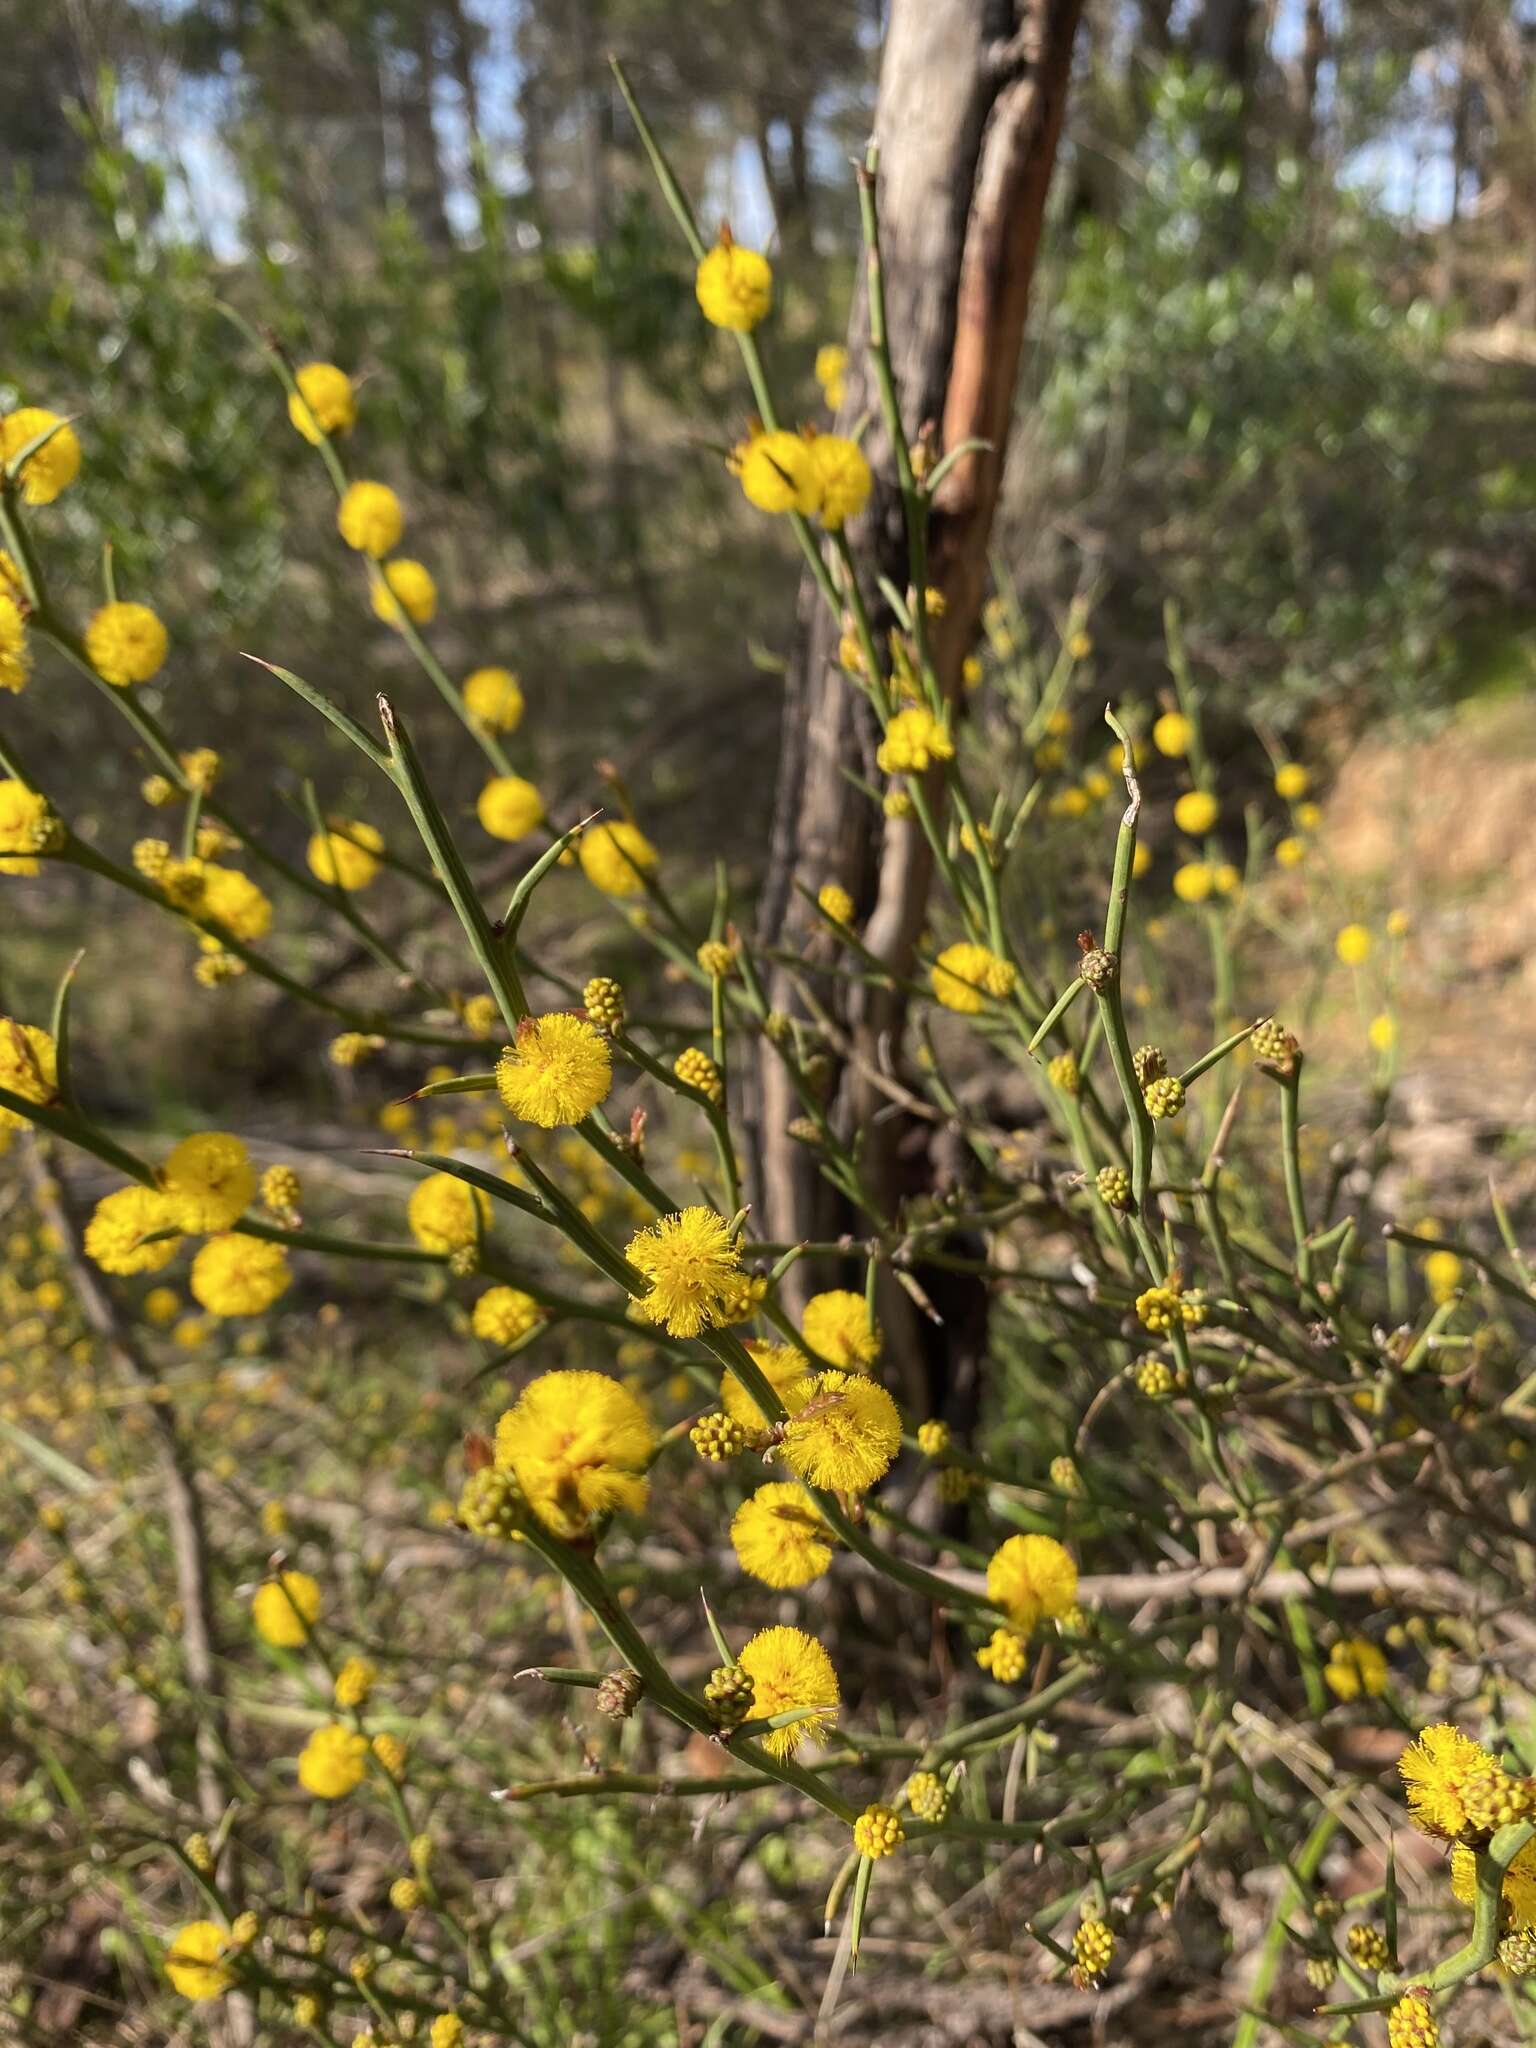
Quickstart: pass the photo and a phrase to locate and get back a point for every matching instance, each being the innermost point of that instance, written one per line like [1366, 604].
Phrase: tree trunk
[968, 120]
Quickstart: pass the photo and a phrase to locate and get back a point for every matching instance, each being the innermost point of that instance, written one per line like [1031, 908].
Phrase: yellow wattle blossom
[239, 1276]
[346, 854]
[1436, 1771]
[779, 472]
[447, 2031]
[846, 1435]
[831, 372]
[1193, 882]
[126, 644]
[324, 404]
[509, 807]
[28, 827]
[690, 1259]
[404, 585]
[503, 1314]
[785, 1369]
[878, 1831]
[354, 1682]
[734, 286]
[843, 478]
[1381, 1032]
[578, 1445]
[559, 1070]
[442, 1213]
[54, 467]
[194, 1961]
[333, 1762]
[370, 518]
[616, 857]
[1290, 852]
[1519, 1884]
[1005, 1654]
[1172, 734]
[493, 697]
[789, 1670]
[162, 1305]
[15, 655]
[1196, 812]
[1032, 1578]
[1291, 781]
[1353, 945]
[121, 1235]
[965, 974]
[208, 1180]
[838, 1327]
[779, 1537]
[1443, 1275]
[1412, 2024]
[286, 1608]
[1356, 1667]
[233, 900]
[913, 741]
[834, 901]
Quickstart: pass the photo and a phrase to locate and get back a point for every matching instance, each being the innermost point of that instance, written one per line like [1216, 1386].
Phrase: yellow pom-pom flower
[442, 1213]
[503, 1314]
[194, 1961]
[15, 655]
[1443, 1275]
[913, 741]
[878, 1831]
[208, 1180]
[832, 372]
[54, 466]
[1193, 882]
[779, 1538]
[493, 697]
[233, 900]
[843, 477]
[1032, 1579]
[1196, 812]
[616, 858]
[1436, 1771]
[833, 901]
[1355, 1666]
[324, 404]
[559, 1070]
[1005, 1654]
[239, 1276]
[838, 1327]
[509, 807]
[846, 1435]
[162, 1305]
[1381, 1032]
[123, 1235]
[1291, 781]
[1290, 852]
[789, 1671]
[447, 2031]
[1519, 1884]
[333, 1762]
[346, 854]
[1353, 945]
[734, 286]
[578, 1444]
[1412, 2024]
[405, 586]
[964, 975]
[370, 518]
[28, 827]
[1172, 734]
[779, 473]
[285, 1609]
[689, 1259]
[126, 644]
[786, 1371]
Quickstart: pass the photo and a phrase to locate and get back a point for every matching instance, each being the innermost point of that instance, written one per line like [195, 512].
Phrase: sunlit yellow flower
[370, 518]
[404, 585]
[558, 1071]
[833, 901]
[1196, 812]
[493, 697]
[789, 1670]
[1443, 1275]
[193, 1960]
[333, 1762]
[689, 1258]
[616, 857]
[964, 974]
[846, 1434]
[442, 1213]
[1172, 734]
[578, 1444]
[1031, 1578]
[325, 404]
[1356, 1666]
[509, 807]
[1519, 1883]
[734, 286]
[1291, 781]
[1290, 852]
[1382, 1032]
[832, 372]
[286, 1608]
[1436, 1771]
[345, 855]
[54, 467]
[913, 741]
[15, 655]
[843, 477]
[785, 1369]
[123, 1233]
[1353, 945]
[779, 1537]
[779, 472]
[838, 1327]
[503, 1314]
[878, 1832]
[28, 827]
[208, 1180]
[239, 1276]
[1194, 881]
[126, 644]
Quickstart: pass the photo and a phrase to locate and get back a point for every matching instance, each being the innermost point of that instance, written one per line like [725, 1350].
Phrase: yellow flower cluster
[914, 740]
[690, 1260]
[965, 974]
[558, 1072]
[578, 1444]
